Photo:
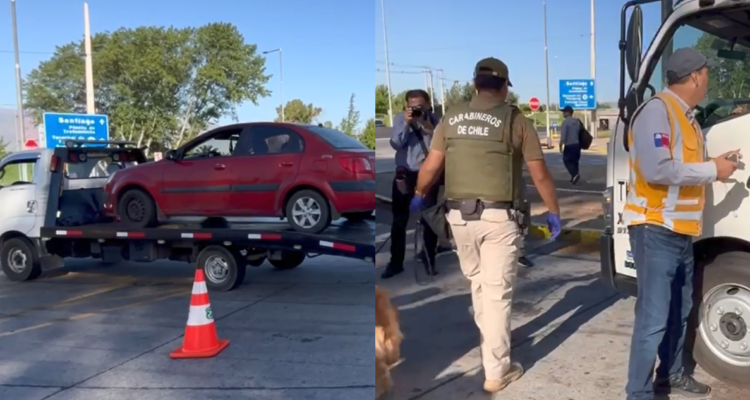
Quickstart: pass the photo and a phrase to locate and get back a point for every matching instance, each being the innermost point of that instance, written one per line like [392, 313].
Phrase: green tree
[381, 100]
[602, 106]
[349, 123]
[399, 102]
[4, 147]
[159, 85]
[368, 134]
[730, 79]
[328, 124]
[299, 112]
[512, 98]
[458, 93]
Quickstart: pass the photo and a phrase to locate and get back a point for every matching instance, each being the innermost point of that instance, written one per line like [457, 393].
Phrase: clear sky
[325, 46]
[453, 36]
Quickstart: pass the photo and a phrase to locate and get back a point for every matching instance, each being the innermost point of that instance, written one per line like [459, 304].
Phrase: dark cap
[492, 66]
[684, 62]
[568, 109]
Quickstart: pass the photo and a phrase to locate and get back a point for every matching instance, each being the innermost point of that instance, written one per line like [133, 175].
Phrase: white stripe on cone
[200, 287]
[200, 315]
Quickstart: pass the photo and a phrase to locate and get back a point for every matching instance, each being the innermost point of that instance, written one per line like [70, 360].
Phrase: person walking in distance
[669, 170]
[411, 137]
[570, 145]
[481, 146]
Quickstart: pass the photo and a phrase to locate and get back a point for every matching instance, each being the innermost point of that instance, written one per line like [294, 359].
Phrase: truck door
[20, 205]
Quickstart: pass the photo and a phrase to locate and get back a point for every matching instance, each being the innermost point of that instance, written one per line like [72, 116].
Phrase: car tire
[221, 268]
[312, 202]
[21, 250]
[137, 209]
[358, 216]
[289, 260]
[725, 281]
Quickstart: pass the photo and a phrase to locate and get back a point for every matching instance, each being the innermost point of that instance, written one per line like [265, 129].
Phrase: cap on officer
[684, 62]
[568, 109]
[492, 66]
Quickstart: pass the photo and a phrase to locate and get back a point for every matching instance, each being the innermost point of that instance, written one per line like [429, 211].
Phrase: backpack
[584, 137]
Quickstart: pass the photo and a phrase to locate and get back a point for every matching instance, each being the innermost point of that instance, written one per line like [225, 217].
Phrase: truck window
[17, 173]
[729, 80]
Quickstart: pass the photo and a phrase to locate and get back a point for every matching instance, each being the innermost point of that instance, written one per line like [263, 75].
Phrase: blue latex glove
[554, 225]
[416, 203]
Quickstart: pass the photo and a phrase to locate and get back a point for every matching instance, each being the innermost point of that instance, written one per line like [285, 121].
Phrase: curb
[585, 237]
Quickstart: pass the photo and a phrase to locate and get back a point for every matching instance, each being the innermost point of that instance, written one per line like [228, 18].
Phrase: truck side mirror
[170, 154]
[634, 43]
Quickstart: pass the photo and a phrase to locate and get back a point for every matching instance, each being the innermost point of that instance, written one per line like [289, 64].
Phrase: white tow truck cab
[720, 30]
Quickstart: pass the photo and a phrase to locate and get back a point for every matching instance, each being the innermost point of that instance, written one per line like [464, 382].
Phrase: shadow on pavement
[439, 334]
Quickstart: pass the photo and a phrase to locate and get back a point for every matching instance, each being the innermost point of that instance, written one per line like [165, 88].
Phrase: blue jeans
[664, 264]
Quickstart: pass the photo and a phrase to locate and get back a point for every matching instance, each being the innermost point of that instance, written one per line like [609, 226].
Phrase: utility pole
[90, 106]
[546, 70]
[387, 64]
[21, 134]
[594, 119]
[441, 79]
[432, 89]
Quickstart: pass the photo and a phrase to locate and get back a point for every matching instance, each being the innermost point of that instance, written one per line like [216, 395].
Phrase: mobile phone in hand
[733, 158]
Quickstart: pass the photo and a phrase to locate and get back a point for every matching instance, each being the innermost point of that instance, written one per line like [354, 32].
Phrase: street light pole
[281, 78]
[21, 134]
[90, 105]
[594, 122]
[432, 89]
[546, 70]
[387, 63]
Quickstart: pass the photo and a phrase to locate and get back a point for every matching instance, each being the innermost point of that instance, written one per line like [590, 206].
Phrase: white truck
[51, 203]
[719, 29]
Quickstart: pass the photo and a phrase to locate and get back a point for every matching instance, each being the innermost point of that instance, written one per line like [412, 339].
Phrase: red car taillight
[356, 165]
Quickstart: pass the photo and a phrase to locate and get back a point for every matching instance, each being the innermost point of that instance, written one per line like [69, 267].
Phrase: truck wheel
[289, 260]
[357, 216]
[308, 212]
[20, 260]
[137, 209]
[220, 268]
[722, 340]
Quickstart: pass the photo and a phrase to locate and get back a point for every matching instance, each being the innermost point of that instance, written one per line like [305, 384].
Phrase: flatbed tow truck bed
[223, 250]
[346, 239]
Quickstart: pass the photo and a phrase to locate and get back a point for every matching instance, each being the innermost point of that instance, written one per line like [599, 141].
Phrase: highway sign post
[577, 93]
[59, 127]
[534, 104]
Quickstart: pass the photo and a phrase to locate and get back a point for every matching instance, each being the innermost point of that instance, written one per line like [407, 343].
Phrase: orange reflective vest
[677, 208]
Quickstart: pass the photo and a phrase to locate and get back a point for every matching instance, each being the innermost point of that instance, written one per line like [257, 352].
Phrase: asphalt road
[104, 333]
[570, 331]
[580, 204]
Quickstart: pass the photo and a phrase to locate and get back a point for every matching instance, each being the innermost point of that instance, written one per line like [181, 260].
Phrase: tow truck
[719, 29]
[53, 211]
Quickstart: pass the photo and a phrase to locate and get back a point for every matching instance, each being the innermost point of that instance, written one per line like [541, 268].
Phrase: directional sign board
[59, 127]
[577, 93]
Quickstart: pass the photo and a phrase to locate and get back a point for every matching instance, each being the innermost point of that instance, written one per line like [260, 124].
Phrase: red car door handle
[286, 164]
[220, 166]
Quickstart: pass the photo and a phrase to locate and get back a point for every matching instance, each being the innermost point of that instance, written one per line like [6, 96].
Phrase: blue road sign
[59, 127]
[577, 93]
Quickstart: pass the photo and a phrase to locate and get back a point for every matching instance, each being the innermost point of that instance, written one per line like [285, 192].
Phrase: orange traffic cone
[201, 340]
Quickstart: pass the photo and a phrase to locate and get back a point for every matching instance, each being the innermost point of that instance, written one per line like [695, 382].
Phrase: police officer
[481, 146]
[663, 212]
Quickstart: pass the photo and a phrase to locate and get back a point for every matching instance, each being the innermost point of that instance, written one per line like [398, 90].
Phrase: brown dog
[388, 339]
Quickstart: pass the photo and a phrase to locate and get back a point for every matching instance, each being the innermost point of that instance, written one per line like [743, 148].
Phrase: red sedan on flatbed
[307, 173]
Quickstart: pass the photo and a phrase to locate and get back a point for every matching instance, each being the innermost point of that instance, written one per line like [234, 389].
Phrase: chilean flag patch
[661, 140]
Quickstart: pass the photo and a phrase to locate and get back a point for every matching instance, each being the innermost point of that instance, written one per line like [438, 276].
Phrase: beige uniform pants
[488, 252]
